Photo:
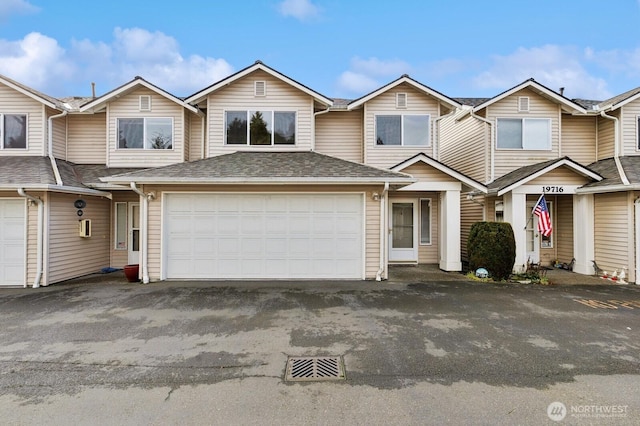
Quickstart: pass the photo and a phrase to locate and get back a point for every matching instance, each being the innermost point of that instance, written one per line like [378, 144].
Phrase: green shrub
[491, 245]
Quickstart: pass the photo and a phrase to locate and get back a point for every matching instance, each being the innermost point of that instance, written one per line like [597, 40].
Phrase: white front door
[533, 236]
[403, 231]
[134, 233]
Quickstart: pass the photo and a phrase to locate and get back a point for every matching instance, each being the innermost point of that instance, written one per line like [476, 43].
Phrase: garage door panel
[264, 236]
[12, 242]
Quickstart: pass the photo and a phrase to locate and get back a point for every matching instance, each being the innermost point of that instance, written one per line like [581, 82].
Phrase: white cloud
[12, 7]
[365, 75]
[299, 9]
[551, 65]
[40, 62]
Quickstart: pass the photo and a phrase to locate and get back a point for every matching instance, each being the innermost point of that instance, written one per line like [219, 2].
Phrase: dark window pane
[159, 133]
[15, 131]
[388, 129]
[236, 123]
[510, 133]
[131, 133]
[260, 128]
[284, 128]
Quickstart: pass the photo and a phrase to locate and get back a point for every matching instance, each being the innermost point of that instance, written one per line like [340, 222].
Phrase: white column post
[583, 233]
[450, 231]
[515, 212]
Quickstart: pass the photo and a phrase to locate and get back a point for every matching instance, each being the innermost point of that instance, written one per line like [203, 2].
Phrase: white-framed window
[524, 133]
[121, 235]
[499, 211]
[260, 127]
[402, 130]
[547, 242]
[13, 131]
[145, 133]
[425, 221]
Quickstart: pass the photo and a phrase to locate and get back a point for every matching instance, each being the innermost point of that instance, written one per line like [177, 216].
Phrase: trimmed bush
[492, 245]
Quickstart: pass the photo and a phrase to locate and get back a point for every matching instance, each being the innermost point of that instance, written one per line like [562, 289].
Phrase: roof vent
[523, 104]
[401, 100]
[260, 88]
[145, 103]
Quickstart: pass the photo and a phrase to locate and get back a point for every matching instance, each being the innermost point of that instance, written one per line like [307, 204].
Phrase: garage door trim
[24, 241]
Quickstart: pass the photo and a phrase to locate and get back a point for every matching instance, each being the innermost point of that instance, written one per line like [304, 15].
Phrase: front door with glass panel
[134, 233]
[533, 236]
[403, 231]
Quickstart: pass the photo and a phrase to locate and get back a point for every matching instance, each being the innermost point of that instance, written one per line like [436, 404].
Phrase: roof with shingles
[90, 174]
[609, 171]
[26, 171]
[474, 102]
[266, 167]
[619, 98]
[57, 103]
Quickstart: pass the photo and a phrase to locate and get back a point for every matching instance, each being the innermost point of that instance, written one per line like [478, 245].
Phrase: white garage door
[12, 249]
[263, 236]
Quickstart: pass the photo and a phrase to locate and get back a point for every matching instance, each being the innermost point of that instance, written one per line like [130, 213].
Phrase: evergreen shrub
[492, 245]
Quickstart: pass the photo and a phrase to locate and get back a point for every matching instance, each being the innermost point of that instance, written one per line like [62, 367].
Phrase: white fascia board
[432, 186]
[607, 189]
[443, 168]
[57, 188]
[98, 102]
[263, 181]
[200, 96]
[579, 170]
[531, 83]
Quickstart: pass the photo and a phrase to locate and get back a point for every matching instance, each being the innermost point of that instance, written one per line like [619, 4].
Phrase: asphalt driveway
[103, 351]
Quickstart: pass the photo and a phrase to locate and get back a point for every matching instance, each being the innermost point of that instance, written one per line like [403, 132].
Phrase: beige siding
[464, 145]
[71, 256]
[128, 107]
[187, 134]
[425, 173]
[59, 134]
[629, 125]
[471, 213]
[195, 138]
[579, 138]
[240, 96]
[560, 176]
[87, 138]
[507, 160]
[372, 219]
[418, 103]
[606, 137]
[119, 258]
[13, 102]
[339, 134]
[563, 228]
[613, 231]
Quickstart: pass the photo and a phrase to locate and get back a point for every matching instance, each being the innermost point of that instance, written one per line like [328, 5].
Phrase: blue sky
[339, 48]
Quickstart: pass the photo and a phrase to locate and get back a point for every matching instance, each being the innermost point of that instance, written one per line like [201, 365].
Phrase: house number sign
[553, 189]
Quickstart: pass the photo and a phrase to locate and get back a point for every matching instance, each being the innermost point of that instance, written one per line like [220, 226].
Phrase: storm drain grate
[314, 368]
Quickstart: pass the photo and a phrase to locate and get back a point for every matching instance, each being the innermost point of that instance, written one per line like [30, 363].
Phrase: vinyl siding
[87, 138]
[385, 104]
[471, 213]
[507, 160]
[579, 138]
[240, 96]
[32, 237]
[464, 145]
[563, 228]
[195, 137]
[606, 137]
[128, 107]
[187, 134]
[119, 258]
[372, 219]
[71, 256]
[560, 176]
[339, 134]
[613, 231]
[13, 102]
[629, 122]
[59, 134]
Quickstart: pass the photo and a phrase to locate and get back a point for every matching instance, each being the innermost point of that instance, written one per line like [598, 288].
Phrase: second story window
[13, 131]
[402, 130]
[260, 127]
[524, 133]
[145, 133]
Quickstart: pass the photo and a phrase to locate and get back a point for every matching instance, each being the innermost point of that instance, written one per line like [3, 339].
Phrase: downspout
[144, 215]
[616, 148]
[383, 231]
[204, 142]
[637, 214]
[40, 245]
[54, 165]
[492, 172]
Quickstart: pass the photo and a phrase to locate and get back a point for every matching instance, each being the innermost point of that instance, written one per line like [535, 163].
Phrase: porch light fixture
[375, 196]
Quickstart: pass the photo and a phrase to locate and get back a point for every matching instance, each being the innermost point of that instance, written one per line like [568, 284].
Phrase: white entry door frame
[133, 222]
[403, 230]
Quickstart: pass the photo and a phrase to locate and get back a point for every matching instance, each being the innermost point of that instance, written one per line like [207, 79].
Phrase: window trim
[402, 144]
[126, 225]
[273, 133]
[523, 120]
[550, 204]
[430, 242]
[637, 132]
[26, 136]
[144, 134]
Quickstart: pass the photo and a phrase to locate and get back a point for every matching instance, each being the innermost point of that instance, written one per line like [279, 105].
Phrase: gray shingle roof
[619, 98]
[26, 171]
[608, 170]
[254, 167]
[90, 174]
[474, 102]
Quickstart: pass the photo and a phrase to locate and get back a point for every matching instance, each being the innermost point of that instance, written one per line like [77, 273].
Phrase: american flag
[544, 218]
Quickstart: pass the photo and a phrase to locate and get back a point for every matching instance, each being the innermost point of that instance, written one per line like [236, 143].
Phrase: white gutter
[383, 231]
[54, 165]
[144, 215]
[616, 148]
[40, 235]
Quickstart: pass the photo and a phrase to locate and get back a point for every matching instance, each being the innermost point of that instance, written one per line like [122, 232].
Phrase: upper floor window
[13, 131]
[524, 133]
[260, 127]
[402, 130]
[638, 132]
[145, 133]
